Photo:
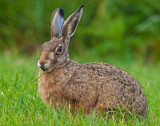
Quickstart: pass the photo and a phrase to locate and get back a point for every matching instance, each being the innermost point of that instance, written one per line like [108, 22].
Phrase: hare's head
[55, 52]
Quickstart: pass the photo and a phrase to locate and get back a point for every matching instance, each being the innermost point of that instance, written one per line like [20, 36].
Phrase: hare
[92, 86]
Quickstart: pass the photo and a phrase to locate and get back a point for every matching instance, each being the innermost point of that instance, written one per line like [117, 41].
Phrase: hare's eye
[59, 50]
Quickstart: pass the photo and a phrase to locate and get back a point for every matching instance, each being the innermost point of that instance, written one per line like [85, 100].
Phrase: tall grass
[20, 103]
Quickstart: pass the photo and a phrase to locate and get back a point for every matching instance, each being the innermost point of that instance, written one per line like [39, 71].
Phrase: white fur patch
[52, 55]
[38, 64]
[47, 65]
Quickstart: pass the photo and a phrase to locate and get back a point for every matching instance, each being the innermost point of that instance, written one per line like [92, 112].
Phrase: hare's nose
[42, 65]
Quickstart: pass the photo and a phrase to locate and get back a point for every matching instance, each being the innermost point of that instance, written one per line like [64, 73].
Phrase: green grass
[20, 103]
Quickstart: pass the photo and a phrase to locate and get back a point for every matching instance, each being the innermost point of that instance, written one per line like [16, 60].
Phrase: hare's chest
[50, 87]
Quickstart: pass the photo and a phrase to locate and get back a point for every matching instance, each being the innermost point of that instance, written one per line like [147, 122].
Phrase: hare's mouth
[44, 66]
[47, 69]
[44, 69]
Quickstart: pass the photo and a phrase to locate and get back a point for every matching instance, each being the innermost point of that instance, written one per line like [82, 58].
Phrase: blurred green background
[124, 33]
[109, 29]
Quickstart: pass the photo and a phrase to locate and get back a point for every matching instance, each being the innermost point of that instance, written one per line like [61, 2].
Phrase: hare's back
[104, 72]
[108, 81]
[110, 77]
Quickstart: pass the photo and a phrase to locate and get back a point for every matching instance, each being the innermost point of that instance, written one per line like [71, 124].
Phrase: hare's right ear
[57, 22]
[71, 23]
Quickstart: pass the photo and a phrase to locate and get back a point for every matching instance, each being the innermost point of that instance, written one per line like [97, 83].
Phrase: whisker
[36, 78]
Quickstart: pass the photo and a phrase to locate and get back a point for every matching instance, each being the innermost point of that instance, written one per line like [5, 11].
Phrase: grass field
[20, 103]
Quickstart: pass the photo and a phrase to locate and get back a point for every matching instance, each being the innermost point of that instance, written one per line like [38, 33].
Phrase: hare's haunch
[91, 86]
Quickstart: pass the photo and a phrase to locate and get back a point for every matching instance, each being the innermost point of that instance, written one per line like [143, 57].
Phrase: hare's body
[90, 86]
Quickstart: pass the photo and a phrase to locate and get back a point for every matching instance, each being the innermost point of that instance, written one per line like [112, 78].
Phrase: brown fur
[91, 86]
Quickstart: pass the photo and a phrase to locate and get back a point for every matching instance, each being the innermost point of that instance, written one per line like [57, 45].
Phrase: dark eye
[59, 50]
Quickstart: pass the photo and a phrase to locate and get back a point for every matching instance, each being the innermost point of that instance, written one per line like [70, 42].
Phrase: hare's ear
[57, 22]
[71, 23]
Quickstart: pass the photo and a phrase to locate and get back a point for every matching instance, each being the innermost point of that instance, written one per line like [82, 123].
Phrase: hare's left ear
[71, 23]
[57, 22]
